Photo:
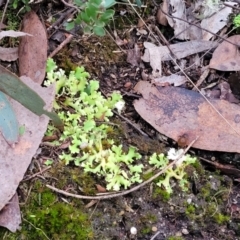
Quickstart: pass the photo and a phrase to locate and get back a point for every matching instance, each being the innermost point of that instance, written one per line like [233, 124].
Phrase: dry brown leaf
[216, 22]
[33, 50]
[180, 50]
[10, 216]
[100, 188]
[178, 9]
[174, 79]
[226, 57]
[8, 54]
[12, 33]
[134, 56]
[161, 17]
[177, 112]
[15, 161]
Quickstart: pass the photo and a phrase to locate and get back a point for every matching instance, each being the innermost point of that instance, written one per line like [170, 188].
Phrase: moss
[72, 175]
[46, 216]
[190, 209]
[175, 238]
[161, 194]
[147, 175]
[205, 191]
[146, 230]
[220, 218]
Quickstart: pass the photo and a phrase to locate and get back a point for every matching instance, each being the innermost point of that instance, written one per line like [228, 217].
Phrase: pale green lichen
[83, 109]
[85, 113]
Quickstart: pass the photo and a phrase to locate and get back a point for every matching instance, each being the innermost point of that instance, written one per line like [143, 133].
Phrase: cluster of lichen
[236, 21]
[86, 113]
[176, 171]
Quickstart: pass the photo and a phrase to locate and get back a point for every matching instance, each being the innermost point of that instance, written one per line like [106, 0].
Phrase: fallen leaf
[216, 22]
[161, 17]
[175, 112]
[134, 56]
[8, 54]
[178, 9]
[10, 215]
[180, 50]
[226, 56]
[11, 85]
[100, 188]
[174, 79]
[15, 161]
[12, 33]
[8, 122]
[33, 50]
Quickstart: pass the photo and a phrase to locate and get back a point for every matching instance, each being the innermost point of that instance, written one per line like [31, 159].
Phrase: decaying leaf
[134, 56]
[175, 112]
[178, 9]
[10, 216]
[180, 50]
[33, 50]
[226, 57]
[216, 22]
[12, 33]
[15, 161]
[8, 54]
[8, 122]
[174, 79]
[11, 85]
[161, 17]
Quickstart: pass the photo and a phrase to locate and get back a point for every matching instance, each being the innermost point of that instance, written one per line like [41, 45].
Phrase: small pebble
[133, 231]
[154, 229]
[185, 231]
[127, 84]
[178, 234]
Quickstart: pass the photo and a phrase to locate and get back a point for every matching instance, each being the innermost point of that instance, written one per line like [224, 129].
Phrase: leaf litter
[174, 110]
[18, 149]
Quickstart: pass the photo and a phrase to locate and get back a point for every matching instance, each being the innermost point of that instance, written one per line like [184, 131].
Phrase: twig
[61, 18]
[132, 124]
[127, 191]
[228, 5]
[70, 5]
[36, 228]
[155, 235]
[36, 174]
[66, 41]
[4, 11]
[204, 29]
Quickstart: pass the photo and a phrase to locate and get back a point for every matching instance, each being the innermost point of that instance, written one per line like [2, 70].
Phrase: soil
[210, 209]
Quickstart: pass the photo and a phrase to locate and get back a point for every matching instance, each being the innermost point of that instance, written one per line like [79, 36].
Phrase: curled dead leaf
[33, 50]
[177, 112]
[226, 57]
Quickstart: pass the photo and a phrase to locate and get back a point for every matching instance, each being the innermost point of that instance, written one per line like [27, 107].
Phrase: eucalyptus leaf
[11, 85]
[8, 122]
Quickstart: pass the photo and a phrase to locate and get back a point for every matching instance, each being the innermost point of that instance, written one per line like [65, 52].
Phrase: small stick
[132, 124]
[70, 5]
[127, 191]
[36, 174]
[66, 41]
